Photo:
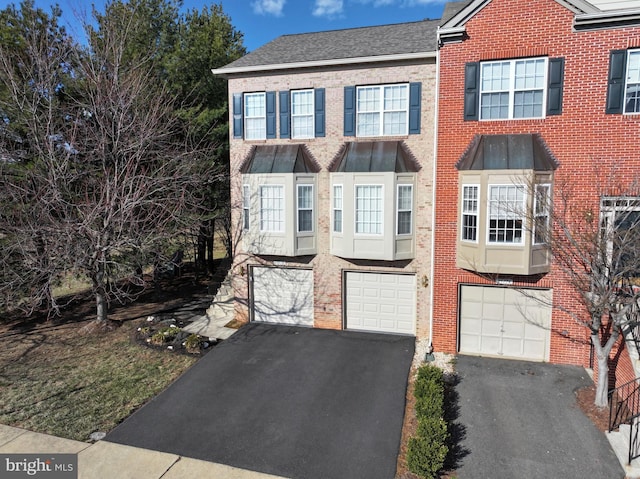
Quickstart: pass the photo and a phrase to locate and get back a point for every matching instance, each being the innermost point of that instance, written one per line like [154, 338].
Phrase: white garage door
[381, 302]
[282, 295]
[505, 322]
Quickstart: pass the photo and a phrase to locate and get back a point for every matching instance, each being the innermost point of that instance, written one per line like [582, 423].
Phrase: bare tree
[109, 178]
[594, 246]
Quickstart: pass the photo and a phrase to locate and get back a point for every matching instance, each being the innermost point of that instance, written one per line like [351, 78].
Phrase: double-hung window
[272, 208]
[541, 206]
[506, 207]
[302, 114]
[405, 209]
[632, 89]
[369, 209]
[246, 201]
[513, 88]
[337, 208]
[382, 110]
[255, 116]
[305, 208]
[470, 212]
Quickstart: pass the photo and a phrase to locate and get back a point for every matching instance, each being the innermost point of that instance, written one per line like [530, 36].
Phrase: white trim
[547, 211]
[398, 211]
[628, 53]
[522, 215]
[380, 111]
[355, 210]
[246, 205]
[512, 88]
[283, 209]
[462, 212]
[246, 117]
[298, 186]
[312, 114]
[334, 209]
[324, 63]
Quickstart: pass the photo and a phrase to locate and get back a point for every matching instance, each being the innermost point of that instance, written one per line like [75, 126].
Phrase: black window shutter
[471, 91]
[285, 115]
[237, 115]
[617, 72]
[349, 111]
[555, 82]
[415, 94]
[271, 114]
[319, 112]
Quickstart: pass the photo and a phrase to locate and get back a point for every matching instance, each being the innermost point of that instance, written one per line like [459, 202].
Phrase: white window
[246, 201]
[405, 209]
[305, 208]
[506, 214]
[620, 230]
[302, 114]
[337, 208]
[255, 116]
[513, 89]
[272, 208]
[632, 95]
[382, 110]
[369, 209]
[470, 212]
[541, 205]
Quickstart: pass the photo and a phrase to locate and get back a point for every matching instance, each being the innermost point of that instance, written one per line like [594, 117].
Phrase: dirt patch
[599, 416]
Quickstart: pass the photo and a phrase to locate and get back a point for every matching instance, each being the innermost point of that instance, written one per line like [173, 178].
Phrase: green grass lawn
[55, 381]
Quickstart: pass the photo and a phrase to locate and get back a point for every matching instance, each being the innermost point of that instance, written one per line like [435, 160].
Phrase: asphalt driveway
[520, 419]
[295, 402]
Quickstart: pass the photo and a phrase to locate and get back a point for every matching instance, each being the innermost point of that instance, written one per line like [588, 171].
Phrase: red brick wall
[581, 138]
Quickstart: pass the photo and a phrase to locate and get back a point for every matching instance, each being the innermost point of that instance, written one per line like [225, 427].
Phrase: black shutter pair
[238, 114]
[319, 113]
[555, 80]
[415, 100]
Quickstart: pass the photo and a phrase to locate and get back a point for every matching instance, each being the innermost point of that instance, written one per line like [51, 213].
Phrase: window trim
[629, 52]
[282, 220]
[381, 111]
[522, 215]
[545, 214]
[355, 209]
[247, 117]
[312, 115]
[334, 208]
[512, 88]
[464, 213]
[299, 209]
[398, 210]
[246, 207]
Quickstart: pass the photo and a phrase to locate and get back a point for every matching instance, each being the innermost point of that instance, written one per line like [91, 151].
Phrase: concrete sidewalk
[106, 460]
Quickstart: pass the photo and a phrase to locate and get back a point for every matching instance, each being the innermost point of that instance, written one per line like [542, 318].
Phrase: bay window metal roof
[374, 157]
[508, 152]
[279, 159]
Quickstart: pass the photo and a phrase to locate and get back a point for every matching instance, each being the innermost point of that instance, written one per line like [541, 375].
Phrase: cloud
[401, 3]
[327, 8]
[268, 7]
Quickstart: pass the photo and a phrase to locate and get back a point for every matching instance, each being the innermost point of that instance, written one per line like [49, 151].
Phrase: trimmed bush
[427, 451]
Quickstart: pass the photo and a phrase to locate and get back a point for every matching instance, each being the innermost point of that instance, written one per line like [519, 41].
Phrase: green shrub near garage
[427, 450]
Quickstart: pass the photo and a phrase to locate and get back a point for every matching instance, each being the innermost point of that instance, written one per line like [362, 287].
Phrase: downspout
[433, 194]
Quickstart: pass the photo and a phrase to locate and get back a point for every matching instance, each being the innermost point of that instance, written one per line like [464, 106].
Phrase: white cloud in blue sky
[268, 7]
[401, 3]
[328, 8]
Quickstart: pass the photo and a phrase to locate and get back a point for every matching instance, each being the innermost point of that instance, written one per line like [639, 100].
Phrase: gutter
[224, 71]
[433, 200]
[618, 18]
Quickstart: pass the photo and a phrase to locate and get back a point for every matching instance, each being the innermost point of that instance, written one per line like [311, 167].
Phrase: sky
[264, 20]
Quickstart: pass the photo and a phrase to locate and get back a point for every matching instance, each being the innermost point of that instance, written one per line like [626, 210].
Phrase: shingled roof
[364, 42]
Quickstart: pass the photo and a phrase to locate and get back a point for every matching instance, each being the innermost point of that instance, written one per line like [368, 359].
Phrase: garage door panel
[380, 302]
[511, 323]
[282, 296]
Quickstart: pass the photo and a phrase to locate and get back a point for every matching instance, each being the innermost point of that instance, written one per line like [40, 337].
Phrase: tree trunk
[99, 289]
[602, 355]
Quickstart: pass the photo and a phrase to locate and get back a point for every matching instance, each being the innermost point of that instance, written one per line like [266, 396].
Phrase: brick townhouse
[332, 147]
[547, 90]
